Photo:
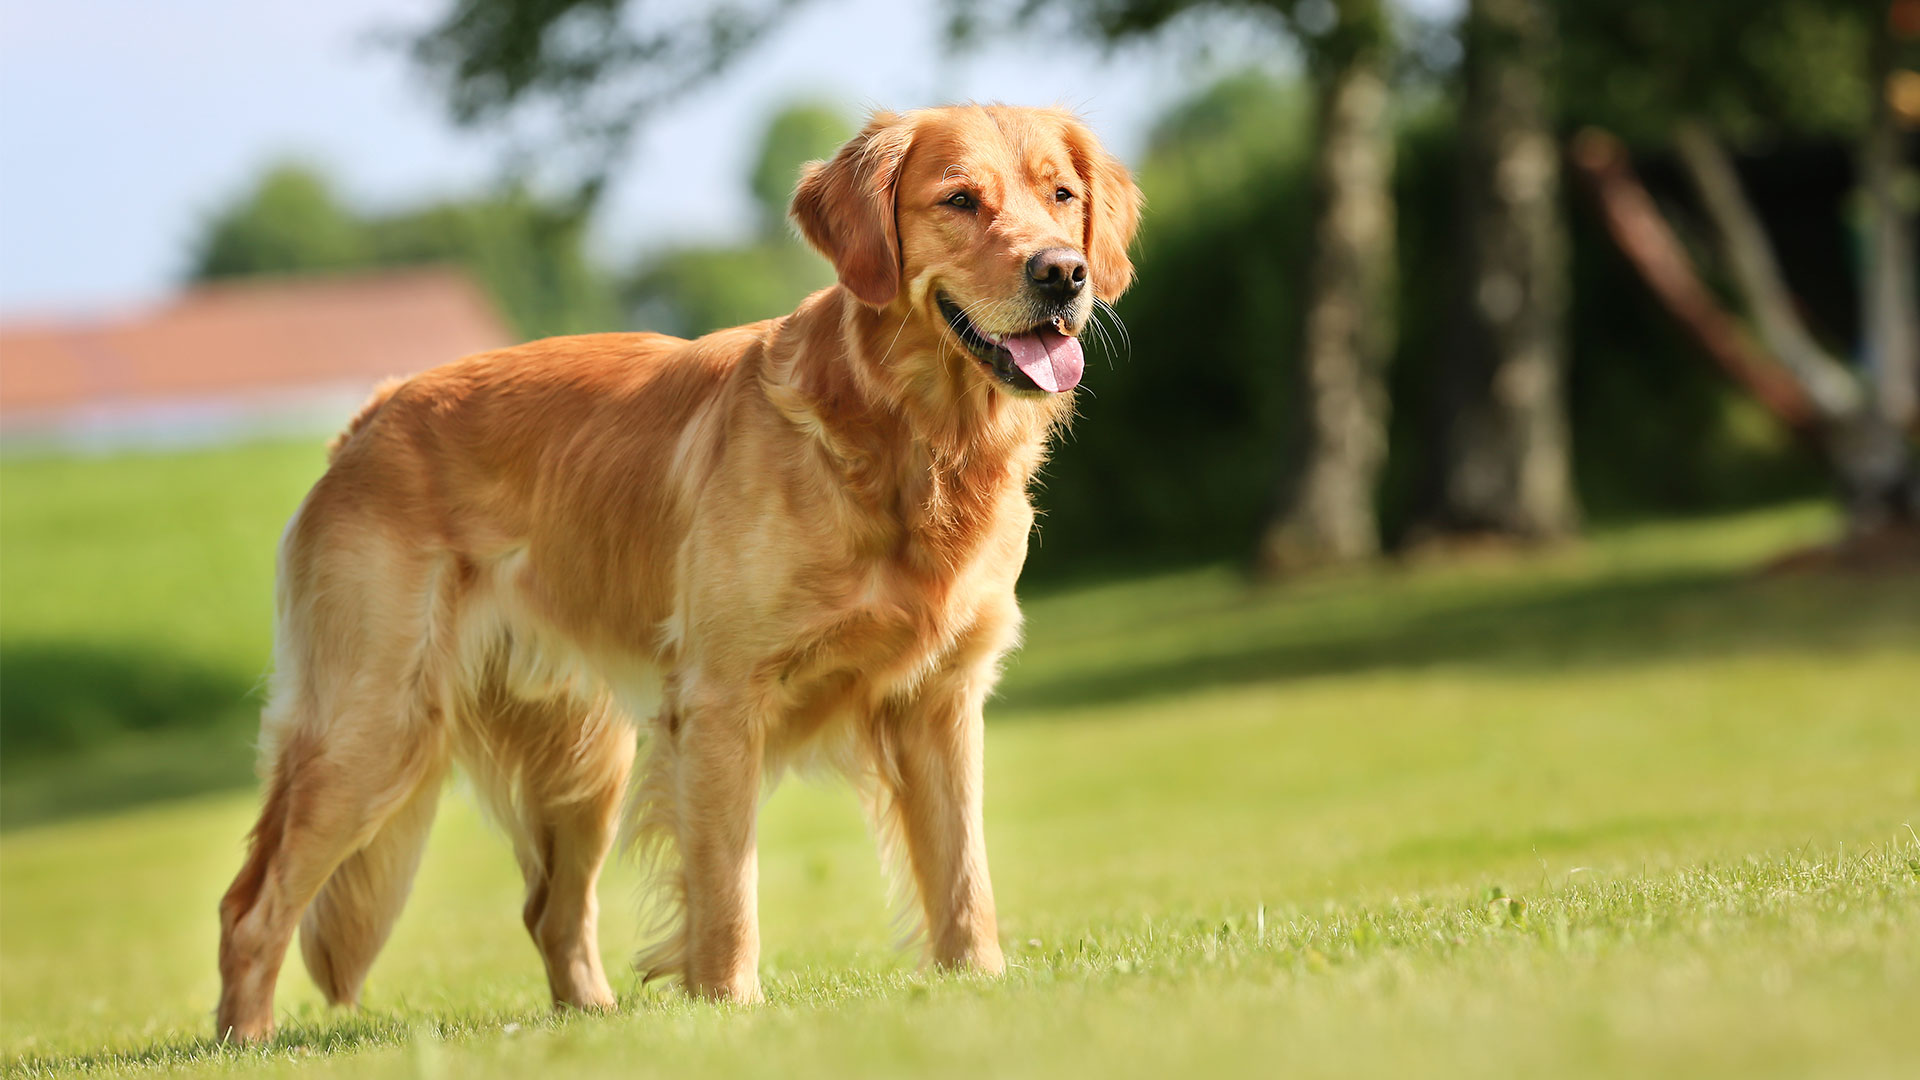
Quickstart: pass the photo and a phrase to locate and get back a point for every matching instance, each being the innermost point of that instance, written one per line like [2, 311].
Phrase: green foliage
[1183, 429]
[1757, 69]
[1429, 288]
[1331, 33]
[795, 136]
[693, 291]
[528, 253]
[1176, 445]
[1565, 816]
[291, 221]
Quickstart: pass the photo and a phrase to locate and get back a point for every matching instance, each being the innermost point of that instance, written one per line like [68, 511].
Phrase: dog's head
[994, 229]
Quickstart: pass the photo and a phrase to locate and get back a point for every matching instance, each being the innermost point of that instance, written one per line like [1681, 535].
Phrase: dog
[793, 540]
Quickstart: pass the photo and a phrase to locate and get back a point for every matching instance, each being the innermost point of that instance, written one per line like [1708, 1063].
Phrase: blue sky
[123, 123]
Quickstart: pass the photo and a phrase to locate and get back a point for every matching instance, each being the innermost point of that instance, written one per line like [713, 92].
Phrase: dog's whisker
[1100, 334]
[904, 319]
[1126, 339]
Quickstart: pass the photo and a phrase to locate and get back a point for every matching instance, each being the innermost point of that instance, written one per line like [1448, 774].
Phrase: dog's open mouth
[1041, 359]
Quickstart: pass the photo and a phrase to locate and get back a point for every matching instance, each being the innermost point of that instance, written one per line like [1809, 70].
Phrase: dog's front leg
[719, 775]
[936, 743]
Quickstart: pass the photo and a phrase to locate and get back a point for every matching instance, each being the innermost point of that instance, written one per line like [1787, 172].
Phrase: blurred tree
[529, 254]
[1890, 297]
[1754, 69]
[592, 69]
[690, 291]
[1860, 415]
[291, 221]
[1504, 463]
[1171, 458]
[1324, 512]
[809, 131]
[693, 291]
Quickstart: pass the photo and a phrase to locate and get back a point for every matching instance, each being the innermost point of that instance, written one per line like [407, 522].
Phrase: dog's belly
[817, 657]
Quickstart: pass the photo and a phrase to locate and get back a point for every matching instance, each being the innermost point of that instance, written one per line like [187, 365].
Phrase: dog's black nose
[1059, 273]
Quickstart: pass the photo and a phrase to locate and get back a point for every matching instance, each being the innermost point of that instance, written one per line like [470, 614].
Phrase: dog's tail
[364, 417]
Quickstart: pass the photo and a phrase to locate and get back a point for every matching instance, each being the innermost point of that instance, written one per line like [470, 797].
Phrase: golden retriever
[795, 538]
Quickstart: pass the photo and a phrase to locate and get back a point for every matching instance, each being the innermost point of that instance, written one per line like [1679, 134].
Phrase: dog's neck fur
[920, 441]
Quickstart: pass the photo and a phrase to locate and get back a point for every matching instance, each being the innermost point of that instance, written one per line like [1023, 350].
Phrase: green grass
[1624, 809]
[136, 608]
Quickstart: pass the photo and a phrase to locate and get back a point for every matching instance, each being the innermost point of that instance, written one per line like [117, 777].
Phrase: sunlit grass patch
[1622, 809]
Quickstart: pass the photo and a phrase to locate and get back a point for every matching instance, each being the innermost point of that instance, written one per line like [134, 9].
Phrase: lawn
[1623, 809]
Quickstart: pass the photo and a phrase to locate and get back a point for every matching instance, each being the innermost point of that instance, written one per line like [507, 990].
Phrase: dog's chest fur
[938, 573]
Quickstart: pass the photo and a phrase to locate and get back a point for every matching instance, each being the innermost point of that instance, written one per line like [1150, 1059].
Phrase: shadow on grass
[102, 730]
[1540, 628]
[60, 696]
[89, 729]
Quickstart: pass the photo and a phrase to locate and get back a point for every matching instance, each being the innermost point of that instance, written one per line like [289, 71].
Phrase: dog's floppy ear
[1113, 212]
[845, 208]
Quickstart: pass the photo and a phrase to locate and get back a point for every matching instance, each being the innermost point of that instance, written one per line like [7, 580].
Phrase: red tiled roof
[245, 337]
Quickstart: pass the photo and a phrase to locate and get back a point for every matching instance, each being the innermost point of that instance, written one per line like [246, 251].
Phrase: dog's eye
[1062, 195]
[960, 200]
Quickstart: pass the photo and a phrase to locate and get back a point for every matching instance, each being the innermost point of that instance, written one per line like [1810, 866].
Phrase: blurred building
[235, 360]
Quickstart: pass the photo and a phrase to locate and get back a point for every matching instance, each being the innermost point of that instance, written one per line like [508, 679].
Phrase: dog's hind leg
[355, 735]
[349, 921]
[557, 776]
[330, 796]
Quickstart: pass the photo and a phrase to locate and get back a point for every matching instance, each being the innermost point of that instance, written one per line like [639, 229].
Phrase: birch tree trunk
[1505, 463]
[1326, 511]
[1876, 456]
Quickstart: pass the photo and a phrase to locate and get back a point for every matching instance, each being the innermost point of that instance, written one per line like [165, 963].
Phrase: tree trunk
[1505, 464]
[1875, 455]
[1863, 417]
[1326, 514]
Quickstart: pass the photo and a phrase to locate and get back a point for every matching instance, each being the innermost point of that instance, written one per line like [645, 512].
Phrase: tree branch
[1643, 235]
[592, 70]
[1889, 310]
[1756, 274]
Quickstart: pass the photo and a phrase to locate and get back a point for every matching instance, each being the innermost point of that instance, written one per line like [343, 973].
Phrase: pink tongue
[1053, 361]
